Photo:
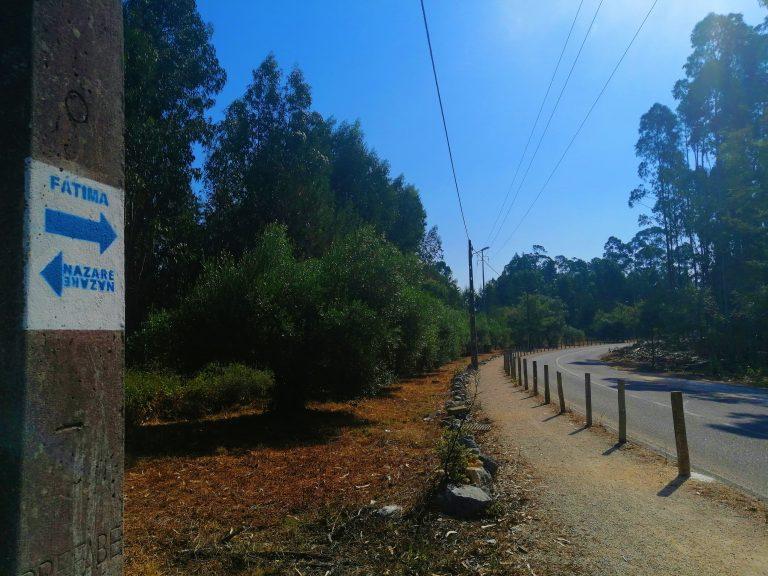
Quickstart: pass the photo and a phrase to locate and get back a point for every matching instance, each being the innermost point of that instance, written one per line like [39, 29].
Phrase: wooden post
[560, 395]
[622, 413]
[546, 384]
[512, 364]
[535, 378]
[588, 397]
[681, 438]
[505, 356]
[519, 370]
[525, 373]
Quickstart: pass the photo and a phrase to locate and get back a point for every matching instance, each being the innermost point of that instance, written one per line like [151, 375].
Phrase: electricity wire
[583, 122]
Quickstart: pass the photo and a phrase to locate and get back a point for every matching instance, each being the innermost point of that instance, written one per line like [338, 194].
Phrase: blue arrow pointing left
[79, 228]
[54, 274]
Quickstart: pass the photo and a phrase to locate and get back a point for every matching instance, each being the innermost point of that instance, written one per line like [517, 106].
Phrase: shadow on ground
[201, 437]
[672, 487]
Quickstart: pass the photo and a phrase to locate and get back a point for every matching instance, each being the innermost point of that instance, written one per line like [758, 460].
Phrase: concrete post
[681, 438]
[62, 289]
[535, 378]
[588, 397]
[560, 395]
[546, 384]
[622, 412]
[525, 373]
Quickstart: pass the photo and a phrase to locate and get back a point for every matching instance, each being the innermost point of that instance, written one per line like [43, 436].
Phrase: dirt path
[619, 505]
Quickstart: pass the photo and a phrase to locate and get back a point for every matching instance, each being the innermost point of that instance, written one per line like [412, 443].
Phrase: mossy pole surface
[61, 349]
[681, 438]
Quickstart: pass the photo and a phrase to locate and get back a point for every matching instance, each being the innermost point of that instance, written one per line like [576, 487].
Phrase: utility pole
[62, 288]
[472, 325]
[482, 265]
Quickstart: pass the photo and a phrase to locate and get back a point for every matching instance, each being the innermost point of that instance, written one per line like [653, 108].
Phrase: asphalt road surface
[727, 424]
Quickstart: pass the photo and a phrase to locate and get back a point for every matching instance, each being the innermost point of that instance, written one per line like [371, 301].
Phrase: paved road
[727, 424]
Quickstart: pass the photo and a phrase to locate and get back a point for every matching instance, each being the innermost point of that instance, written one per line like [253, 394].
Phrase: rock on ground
[465, 501]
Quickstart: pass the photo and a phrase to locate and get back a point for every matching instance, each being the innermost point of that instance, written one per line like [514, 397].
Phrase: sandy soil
[622, 507]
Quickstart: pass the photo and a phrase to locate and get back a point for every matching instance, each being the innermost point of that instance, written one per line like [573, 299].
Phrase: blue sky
[368, 60]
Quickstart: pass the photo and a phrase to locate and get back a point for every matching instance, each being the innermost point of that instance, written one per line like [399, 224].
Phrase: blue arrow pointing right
[79, 228]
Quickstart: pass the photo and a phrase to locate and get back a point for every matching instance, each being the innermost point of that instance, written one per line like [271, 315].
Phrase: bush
[340, 325]
[163, 395]
[454, 456]
[150, 395]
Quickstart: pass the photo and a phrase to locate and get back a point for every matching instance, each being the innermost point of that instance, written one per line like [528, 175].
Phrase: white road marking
[557, 362]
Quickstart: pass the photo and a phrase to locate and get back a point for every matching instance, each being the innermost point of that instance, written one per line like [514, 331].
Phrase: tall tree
[663, 170]
[171, 77]
[274, 159]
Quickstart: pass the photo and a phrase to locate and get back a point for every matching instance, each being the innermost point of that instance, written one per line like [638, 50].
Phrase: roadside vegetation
[292, 249]
[301, 255]
[693, 280]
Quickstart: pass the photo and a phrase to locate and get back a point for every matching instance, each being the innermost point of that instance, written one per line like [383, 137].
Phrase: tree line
[291, 248]
[695, 273]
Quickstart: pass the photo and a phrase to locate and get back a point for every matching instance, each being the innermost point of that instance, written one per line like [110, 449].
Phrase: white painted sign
[75, 252]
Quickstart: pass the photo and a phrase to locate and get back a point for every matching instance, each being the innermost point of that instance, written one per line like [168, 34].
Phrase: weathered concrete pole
[62, 288]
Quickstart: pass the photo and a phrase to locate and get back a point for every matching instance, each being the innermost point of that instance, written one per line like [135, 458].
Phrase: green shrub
[454, 456]
[217, 388]
[163, 395]
[150, 395]
[340, 325]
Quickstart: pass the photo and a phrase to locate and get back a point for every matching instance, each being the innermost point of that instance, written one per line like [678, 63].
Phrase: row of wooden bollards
[516, 367]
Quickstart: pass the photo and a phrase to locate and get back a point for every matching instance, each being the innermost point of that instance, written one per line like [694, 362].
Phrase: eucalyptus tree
[171, 78]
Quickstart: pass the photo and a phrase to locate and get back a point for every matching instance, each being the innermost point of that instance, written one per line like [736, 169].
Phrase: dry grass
[191, 485]
[246, 494]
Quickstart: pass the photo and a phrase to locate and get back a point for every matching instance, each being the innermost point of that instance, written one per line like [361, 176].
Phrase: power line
[538, 117]
[583, 122]
[492, 268]
[549, 121]
[445, 124]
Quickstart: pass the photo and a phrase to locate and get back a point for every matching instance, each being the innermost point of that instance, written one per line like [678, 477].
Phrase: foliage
[274, 159]
[171, 77]
[164, 395]
[305, 254]
[454, 456]
[339, 325]
[695, 273]
[619, 323]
